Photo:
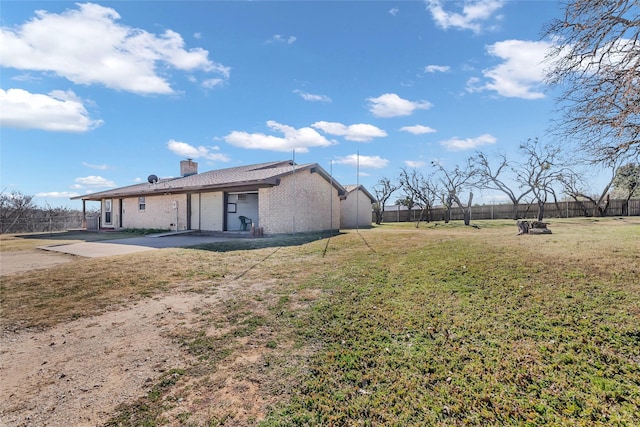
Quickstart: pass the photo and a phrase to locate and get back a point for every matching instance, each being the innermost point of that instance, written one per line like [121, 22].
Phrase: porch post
[84, 214]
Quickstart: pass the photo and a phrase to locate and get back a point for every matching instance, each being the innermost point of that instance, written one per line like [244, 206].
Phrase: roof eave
[244, 185]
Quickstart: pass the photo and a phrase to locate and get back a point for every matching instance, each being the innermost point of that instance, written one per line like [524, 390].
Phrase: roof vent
[152, 179]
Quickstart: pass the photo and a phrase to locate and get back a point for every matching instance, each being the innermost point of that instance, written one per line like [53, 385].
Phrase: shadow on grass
[274, 241]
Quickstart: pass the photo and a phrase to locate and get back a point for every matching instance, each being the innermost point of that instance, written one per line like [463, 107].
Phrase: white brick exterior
[159, 212]
[303, 201]
[355, 210]
[276, 201]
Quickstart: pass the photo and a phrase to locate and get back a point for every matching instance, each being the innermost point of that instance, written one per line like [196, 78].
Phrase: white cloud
[58, 111]
[58, 194]
[394, 11]
[278, 38]
[359, 132]
[211, 83]
[417, 129]
[416, 164]
[436, 68]
[520, 75]
[201, 152]
[88, 46]
[474, 14]
[391, 105]
[354, 160]
[294, 139]
[457, 144]
[98, 167]
[26, 78]
[312, 97]
[93, 181]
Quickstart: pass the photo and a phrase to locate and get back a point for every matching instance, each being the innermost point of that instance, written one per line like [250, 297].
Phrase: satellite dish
[152, 179]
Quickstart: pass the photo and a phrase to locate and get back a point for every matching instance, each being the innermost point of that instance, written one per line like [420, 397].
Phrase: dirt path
[21, 261]
[77, 373]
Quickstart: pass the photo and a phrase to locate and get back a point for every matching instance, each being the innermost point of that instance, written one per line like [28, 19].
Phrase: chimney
[188, 167]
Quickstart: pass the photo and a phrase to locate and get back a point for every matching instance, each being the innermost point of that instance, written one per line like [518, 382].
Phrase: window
[141, 203]
[107, 211]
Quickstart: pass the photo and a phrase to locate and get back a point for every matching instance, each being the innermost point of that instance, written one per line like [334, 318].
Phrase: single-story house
[355, 209]
[278, 197]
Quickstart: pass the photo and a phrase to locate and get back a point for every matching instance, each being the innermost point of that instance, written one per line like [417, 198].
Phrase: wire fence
[40, 224]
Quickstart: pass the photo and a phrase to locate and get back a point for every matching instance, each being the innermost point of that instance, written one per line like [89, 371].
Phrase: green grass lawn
[476, 327]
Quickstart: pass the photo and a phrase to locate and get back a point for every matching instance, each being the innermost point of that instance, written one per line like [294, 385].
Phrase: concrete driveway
[136, 244]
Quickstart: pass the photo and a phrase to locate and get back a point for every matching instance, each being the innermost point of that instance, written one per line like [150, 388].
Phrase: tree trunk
[602, 211]
[467, 210]
[379, 216]
[540, 211]
[514, 211]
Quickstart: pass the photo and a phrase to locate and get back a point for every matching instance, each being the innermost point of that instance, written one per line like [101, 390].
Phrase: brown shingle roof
[249, 176]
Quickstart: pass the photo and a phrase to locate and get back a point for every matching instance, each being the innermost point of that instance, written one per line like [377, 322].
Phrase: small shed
[356, 207]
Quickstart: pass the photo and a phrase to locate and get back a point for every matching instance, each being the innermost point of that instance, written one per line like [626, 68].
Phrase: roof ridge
[252, 167]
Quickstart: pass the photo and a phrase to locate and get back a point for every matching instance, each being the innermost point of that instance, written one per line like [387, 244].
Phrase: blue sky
[101, 95]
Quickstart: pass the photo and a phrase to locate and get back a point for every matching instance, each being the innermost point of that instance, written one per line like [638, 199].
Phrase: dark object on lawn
[535, 227]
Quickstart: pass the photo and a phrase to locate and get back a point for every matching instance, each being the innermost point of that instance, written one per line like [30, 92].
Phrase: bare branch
[383, 191]
[597, 62]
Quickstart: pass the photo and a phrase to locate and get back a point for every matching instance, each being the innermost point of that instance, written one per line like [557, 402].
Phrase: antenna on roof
[153, 179]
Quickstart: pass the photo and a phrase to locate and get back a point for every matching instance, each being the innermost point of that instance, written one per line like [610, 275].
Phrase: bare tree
[408, 203]
[597, 60]
[383, 191]
[576, 188]
[420, 189]
[540, 172]
[15, 208]
[627, 183]
[456, 181]
[496, 179]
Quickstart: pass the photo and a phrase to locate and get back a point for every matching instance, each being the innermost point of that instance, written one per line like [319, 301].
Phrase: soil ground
[77, 373]
[18, 262]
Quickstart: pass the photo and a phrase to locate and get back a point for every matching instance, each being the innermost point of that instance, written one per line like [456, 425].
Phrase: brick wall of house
[158, 212]
[303, 202]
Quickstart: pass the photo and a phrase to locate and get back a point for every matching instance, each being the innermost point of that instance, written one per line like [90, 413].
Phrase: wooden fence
[564, 209]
